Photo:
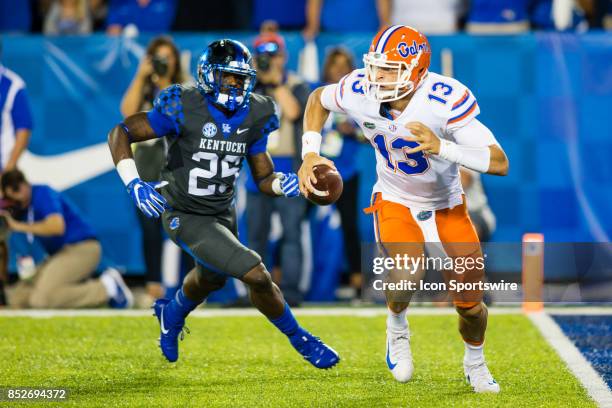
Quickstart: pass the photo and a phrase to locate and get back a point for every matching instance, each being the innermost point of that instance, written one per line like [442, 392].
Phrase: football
[328, 187]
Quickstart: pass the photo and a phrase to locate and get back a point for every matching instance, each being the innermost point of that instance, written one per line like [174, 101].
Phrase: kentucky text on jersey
[223, 146]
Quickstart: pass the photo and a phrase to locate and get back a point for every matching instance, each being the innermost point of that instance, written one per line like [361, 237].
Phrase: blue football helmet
[223, 57]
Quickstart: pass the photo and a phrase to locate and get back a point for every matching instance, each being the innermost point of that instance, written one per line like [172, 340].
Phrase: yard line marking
[573, 358]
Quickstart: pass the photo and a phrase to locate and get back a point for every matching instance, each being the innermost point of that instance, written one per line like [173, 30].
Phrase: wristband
[311, 143]
[127, 170]
[475, 158]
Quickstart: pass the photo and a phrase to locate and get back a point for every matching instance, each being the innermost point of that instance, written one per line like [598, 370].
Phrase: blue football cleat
[171, 327]
[314, 350]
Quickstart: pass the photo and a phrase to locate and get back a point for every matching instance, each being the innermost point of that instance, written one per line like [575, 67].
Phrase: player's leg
[461, 241]
[268, 299]
[192, 233]
[214, 244]
[198, 284]
[397, 234]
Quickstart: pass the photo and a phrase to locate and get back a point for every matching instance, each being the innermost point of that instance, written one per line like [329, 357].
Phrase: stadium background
[546, 96]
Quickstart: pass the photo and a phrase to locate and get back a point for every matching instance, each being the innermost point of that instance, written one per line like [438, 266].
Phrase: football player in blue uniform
[211, 128]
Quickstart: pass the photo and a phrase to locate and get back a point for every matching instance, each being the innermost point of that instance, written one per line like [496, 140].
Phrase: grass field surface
[245, 362]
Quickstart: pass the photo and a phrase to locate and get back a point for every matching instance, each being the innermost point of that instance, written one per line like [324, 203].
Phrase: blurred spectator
[429, 17]
[68, 17]
[498, 17]
[607, 18]
[15, 16]
[478, 206]
[148, 16]
[15, 118]
[15, 131]
[341, 138]
[63, 280]
[160, 68]
[284, 145]
[338, 16]
[290, 15]
[191, 15]
[99, 12]
[559, 15]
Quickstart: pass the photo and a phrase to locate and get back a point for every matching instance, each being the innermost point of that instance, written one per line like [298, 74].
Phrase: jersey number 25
[227, 170]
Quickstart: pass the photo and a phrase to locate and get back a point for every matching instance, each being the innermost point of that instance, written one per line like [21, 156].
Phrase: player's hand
[289, 184]
[11, 223]
[145, 68]
[149, 201]
[306, 171]
[428, 141]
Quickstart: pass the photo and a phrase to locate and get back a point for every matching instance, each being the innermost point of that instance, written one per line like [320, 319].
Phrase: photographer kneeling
[63, 280]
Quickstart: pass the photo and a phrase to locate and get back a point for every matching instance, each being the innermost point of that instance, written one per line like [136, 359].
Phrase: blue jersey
[46, 201]
[14, 111]
[358, 15]
[498, 11]
[15, 16]
[287, 13]
[156, 17]
[206, 148]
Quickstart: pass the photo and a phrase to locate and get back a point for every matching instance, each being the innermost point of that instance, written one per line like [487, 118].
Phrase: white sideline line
[314, 311]
[578, 365]
[587, 310]
[309, 311]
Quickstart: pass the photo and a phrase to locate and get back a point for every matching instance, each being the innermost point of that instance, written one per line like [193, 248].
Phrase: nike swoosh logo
[65, 170]
[239, 131]
[389, 363]
[161, 320]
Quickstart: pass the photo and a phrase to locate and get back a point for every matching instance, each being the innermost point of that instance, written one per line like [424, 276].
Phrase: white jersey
[416, 180]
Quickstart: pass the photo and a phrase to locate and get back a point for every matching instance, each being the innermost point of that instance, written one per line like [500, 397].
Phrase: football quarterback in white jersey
[423, 126]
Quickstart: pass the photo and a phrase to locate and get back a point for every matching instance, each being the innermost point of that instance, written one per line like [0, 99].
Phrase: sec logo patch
[209, 129]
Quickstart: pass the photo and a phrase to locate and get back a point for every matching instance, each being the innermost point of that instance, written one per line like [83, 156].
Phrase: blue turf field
[592, 335]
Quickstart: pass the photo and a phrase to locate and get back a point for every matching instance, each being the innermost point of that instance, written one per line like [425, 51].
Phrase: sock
[180, 305]
[110, 285]
[473, 354]
[398, 321]
[286, 323]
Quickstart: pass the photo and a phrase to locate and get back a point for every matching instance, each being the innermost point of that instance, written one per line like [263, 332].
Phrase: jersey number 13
[415, 163]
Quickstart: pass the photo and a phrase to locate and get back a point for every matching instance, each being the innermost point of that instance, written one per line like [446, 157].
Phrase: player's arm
[269, 182]
[475, 148]
[22, 122]
[137, 128]
[51, 225]
[315, 117]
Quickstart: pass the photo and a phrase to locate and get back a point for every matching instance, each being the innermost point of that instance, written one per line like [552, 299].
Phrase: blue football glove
[149, 201]
[289, 184]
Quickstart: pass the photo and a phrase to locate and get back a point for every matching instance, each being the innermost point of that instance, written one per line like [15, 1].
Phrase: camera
[160, 65]
[263, 62]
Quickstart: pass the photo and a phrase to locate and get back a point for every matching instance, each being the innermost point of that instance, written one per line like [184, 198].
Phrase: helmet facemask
[210, 80]
[388, 91]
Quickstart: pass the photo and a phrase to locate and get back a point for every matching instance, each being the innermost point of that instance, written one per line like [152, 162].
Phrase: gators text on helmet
[401, 49]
